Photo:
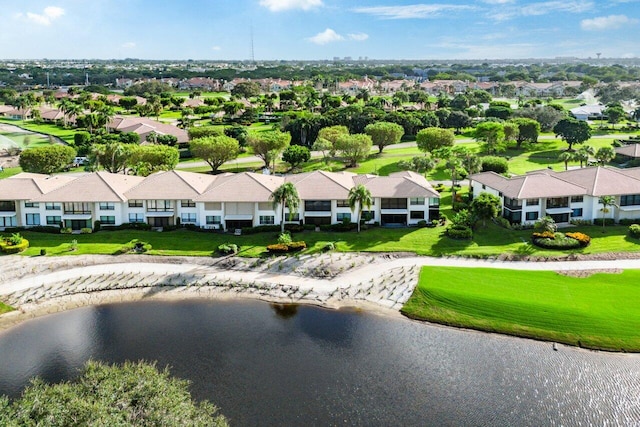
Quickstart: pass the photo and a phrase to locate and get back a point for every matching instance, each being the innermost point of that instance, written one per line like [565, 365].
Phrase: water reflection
[281, 365]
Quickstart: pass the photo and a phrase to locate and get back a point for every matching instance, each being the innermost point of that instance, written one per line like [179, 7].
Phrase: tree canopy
[485, 206]
[384, 133]
[47, 159]
[354, 148]
[433, 138]
[215, 150]
[146, 159]
[572, 131]
[268, 145]
[296, 155]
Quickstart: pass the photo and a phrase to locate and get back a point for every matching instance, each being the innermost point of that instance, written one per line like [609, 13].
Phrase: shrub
[629, 221]
[459, 206]
[96, 225]
[607, 221]
[463, 218]
[503, 222]
[228, 248]
[544, 235]
[15, 239]
[495, 164]
[278, 248]
[284, 238]
[45, 229]
[634, 230]
[43, 252]
[9, 248]
[328, 247]
[584, 239]
[260, 229]
[560, 241]
[134, 245]
[459, 232]
[66, 230]
[581, 222]
[422, 223]
[297, 246]
[86, 230]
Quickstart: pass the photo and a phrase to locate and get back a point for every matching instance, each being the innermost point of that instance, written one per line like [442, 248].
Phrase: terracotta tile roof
[171, 185]
[92, 187]
[241, 187]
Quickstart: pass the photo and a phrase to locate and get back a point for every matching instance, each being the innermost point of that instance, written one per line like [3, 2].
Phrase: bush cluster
[13, 244]
[341, 226]
[86, 230]
[550, 240]
[634, 230]
[584, 239]
[287, 247]
[228, 248]
[544, 235]
[66, 230]
[134, 245]
[607, 221]
[459, 231]
[503, 222]
[629, 221]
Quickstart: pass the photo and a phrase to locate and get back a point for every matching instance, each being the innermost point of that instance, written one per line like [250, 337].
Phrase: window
[558, 202]
[8, 221]
[187, 203]
[108, 220]
[317, 205]
[159, 206]
[533, 202]
[416, 201]
[107, 206]
[343, 216]
[31, 205]
[532, 216]
[188, 218]
[135, 203]
[213, 220]
[342, 203]
[33, 219]
[394, 204]
[265, 206]
[512, 203]
[52, 206]
[434, 202]
[576, 212]
[213, 206]
[514, 217]
[630, 200]
[294, 217]
[416, 215]
[7, 206]
[267, 220]
[136, 217]
[577, 199]
[77, 208]
[54, 220]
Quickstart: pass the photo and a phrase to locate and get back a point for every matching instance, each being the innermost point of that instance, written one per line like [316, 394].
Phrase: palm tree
[604, 155]
[360, 196]
[584, 153]
[287, 196]
[105, 114]
[606, 202]
[566, 157]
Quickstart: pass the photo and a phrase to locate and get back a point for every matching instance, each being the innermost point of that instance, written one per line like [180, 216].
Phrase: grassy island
[598, 312]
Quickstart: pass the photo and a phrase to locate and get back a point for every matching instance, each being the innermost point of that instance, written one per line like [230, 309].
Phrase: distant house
[588, 112]
[144, 126]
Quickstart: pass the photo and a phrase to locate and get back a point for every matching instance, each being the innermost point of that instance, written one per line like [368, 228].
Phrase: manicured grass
[49, 129]
[599, 311]
[7, 172]
[31, 140]
[489, 241]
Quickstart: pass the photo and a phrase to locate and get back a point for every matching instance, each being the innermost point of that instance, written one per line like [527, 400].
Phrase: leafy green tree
[246, 90]
[458, 120]
[240, 133]
[205, 131]
[332, 134]
[485, 206]
[146, 159]
[112, 156]
[296, 155]
[286, 196]
[420, 164]
[433, 138]
[528, 130]
[231, 108]
[471, 162]
[494, 164]
[133, 394]
[583, 153]
[47, 159]
[572, 131]
[325, 147]
[547, 116]
[614, 113]
[359, 198]
[604, 155]
[566, 157]
[354, 148]
[215, 150]
[607, 203]
[492, 134]
[268, 145]
[384, 133]
[546, 223]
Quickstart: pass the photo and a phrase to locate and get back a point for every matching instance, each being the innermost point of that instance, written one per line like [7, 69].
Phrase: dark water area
[266, 365]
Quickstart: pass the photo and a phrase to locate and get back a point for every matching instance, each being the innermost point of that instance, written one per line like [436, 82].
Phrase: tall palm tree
[566, 157]
[360, 197]
[604, 155]
[584, 153]
[287, 196]
[606, 202]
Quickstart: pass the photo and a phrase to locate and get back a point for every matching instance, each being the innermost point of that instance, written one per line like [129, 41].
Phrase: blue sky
[318, 29]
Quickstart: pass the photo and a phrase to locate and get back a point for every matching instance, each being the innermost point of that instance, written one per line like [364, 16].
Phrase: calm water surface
[264, 365]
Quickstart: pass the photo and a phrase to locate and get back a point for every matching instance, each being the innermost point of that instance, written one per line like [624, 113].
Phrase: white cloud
[48, 15]
[280, 5]
[411, 11]
[360, 37]
[327, 36]
[541, 8]
[129, 45]
[216, 48]
[610, 22]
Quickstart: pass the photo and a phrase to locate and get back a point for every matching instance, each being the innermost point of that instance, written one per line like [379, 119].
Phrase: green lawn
[49, 129]
[4, 308]
[7, 172]
[24, 140]
[599, 311]
[489, 241]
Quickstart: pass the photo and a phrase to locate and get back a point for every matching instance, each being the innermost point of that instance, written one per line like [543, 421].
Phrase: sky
[318, 29]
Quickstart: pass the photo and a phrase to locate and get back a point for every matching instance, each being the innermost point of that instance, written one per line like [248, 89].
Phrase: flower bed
[549, 240]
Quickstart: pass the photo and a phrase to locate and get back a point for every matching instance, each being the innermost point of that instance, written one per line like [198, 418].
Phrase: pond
[265, 364]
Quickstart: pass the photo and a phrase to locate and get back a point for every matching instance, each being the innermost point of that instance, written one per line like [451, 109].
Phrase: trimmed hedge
[607, 221]
[8, 248]
[634, 230]
[459, 231]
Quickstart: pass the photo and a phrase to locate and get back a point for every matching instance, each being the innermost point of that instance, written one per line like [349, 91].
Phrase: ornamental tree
[433, 138]
[215, 150]
[384, 133]
[354, 148]
[485, 206]
[572, 131]
[268, 145]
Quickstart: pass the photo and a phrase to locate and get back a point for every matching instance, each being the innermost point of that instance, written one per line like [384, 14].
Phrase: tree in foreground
[359, 198]
[485, 206]
[146, 159]
[133, 394]
[528, 130]
[492, 134]
[354, 148]
[47, 159]
[269, 145]
[384, 133]
[112, 156]
[572, 131]
[285, 196]
[433, 138]
[215, 150]
[296, 155]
